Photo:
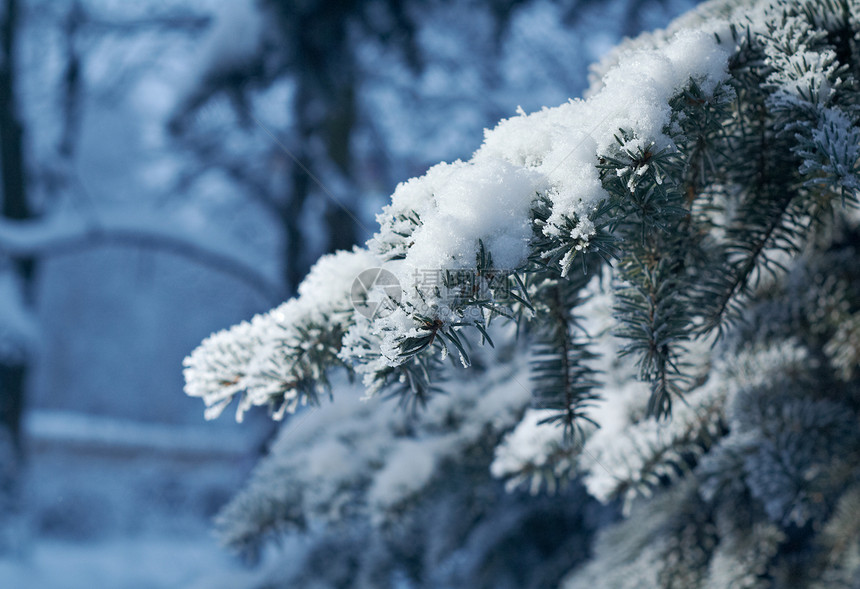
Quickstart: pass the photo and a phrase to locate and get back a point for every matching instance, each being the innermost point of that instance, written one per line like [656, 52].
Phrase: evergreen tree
[653, 292]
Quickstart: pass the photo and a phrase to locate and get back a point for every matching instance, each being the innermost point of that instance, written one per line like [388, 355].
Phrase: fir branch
[726, 285]
[561, 377]
[414, 383]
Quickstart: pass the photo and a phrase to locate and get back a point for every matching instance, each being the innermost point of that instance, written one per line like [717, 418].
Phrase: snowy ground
[127, 563]
[119, 503]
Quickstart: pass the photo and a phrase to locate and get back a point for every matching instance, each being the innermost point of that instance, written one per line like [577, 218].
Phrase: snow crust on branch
[442, 220]
[261, 360]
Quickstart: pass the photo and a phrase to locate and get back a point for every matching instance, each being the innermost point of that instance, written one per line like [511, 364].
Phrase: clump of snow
[527, 447]
[407, 470]
[487, 199]
[327, 286]
[563, 143]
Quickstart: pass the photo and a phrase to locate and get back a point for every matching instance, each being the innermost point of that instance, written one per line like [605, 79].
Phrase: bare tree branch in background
[66, 234]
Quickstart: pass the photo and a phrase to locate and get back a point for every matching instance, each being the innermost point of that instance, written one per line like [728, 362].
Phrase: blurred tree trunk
[13, 374]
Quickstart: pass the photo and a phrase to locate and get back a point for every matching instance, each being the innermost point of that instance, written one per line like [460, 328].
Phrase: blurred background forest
[170, 168]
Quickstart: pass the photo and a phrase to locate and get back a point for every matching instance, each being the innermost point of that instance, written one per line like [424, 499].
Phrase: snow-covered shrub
[678, 256]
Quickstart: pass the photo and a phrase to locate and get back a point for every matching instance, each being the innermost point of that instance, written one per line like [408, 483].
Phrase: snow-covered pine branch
[615, 174]
[708, 189]
[446, 220]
